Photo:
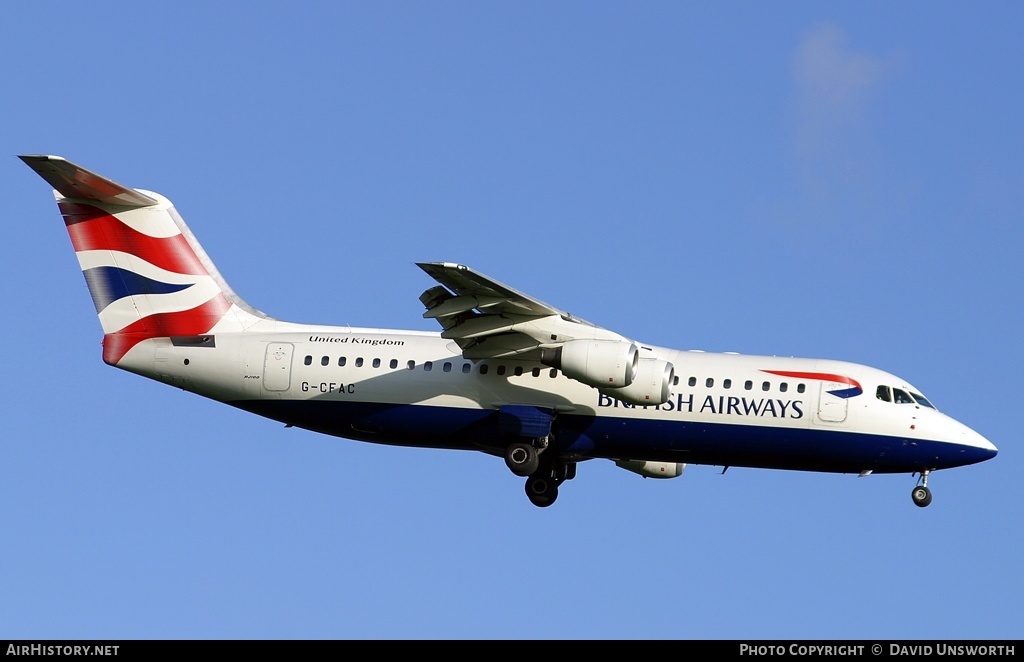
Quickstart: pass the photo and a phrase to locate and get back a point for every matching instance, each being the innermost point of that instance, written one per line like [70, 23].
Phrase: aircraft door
[832, 408]
[277, 366]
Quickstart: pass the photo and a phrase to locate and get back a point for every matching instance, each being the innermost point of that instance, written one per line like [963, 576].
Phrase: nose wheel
[921, 495]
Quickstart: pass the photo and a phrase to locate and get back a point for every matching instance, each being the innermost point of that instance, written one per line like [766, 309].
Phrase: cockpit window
[923, 401]
[901, 397]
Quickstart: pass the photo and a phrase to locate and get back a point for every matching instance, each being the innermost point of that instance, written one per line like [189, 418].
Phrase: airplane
[506, 375]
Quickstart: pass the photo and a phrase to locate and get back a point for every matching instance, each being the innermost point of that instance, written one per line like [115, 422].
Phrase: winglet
[74, 181]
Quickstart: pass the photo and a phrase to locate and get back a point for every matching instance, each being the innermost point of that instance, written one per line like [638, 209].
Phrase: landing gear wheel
[522, 459]
[921, 495]
[542, 490]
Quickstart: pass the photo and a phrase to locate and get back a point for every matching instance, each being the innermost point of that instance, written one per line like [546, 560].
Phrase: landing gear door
[832, 408]
[277, 366]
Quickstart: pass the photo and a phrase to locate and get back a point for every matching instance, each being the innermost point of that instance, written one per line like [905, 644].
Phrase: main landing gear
[543, 472]
[523, 458]
[921, 495]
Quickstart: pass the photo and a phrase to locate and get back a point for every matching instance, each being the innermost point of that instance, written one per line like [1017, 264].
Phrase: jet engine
[600, 363]
[653, 469]
[650, 387]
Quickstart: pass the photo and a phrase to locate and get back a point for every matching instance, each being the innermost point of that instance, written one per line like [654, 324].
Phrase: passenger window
[325, 360]
[800, 388]
[466, 368]
[376, 363]
[553, 373]
[882, 393]
[675, 381]
[536, 372]
[783, 387]
[692, 381]
[393, 364]
[483, 368]
[748, 385]
[447, 366]
[359, 362]
[501, 370]
[427, 366]
[901, 397]
[709, 382]
[727, 383]
[410, 365]
[519, 370]
[765, 386]
[341, 361]
[308, 360]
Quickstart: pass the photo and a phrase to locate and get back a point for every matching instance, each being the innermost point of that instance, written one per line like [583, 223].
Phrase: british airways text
[721, 404]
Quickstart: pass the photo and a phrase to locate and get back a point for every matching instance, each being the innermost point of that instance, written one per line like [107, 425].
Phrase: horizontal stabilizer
[74, 181]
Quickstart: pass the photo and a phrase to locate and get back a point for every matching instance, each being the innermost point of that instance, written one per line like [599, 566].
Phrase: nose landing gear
[921, 495]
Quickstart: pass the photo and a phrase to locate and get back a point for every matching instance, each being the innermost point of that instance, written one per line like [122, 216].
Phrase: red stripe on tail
[92, 229]
[192, 322]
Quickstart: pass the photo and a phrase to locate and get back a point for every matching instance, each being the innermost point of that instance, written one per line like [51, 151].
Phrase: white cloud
[831, 77]
[834, 85]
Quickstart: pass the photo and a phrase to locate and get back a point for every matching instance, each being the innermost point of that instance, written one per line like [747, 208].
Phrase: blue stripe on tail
[108, 284]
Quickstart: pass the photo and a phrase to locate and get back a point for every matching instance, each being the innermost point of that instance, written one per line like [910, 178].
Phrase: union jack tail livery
[506, 374]
[147, 274]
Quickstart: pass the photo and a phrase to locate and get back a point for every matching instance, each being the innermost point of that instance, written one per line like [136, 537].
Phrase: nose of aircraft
[988, 446]
[981, 448]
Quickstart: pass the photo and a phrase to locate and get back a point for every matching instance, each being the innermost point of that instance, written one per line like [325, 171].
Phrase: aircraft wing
[488, 319]
[473, 287]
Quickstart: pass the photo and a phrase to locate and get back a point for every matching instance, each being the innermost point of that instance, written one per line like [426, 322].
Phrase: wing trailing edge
[488, 319]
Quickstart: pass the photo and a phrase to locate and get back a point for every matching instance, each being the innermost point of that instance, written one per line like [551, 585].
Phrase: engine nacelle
[600, 363]
[651, 386]
[653, 469]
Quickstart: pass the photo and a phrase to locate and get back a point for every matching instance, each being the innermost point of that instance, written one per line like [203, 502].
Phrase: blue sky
[839, 180]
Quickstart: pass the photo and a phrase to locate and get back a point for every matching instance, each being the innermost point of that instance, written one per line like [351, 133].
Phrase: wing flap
[501, 346]
[481, 325]
[462, 304]
[463, 281]
[488, 319]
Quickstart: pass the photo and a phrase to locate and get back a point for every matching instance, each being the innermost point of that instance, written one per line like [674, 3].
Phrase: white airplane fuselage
[508, 375]
[357, 383]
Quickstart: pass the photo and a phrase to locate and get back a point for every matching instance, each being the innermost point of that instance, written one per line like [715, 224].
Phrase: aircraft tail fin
[147, 274]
